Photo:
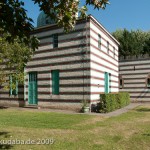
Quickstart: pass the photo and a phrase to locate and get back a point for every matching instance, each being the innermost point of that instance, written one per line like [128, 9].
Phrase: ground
[64, 131]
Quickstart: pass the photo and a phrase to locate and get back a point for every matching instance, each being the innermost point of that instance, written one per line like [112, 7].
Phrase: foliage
[19, 24]
[13, 58]
[110, 102]
[147, 46]
[67, 10]
[15, 21]
[123, 99]
[132, 43]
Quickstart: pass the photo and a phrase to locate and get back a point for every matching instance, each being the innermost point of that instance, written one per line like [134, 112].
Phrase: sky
[120, 14]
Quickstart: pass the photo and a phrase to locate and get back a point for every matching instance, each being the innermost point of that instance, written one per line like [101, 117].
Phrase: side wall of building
[103, 59]
[134, 75]
[6, 99]
[68, 59]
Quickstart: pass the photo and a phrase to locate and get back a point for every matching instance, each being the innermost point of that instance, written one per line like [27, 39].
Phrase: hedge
[110, 102]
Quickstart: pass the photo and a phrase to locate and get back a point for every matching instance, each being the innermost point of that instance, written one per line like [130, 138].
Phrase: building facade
[134, 77]
[69, 68]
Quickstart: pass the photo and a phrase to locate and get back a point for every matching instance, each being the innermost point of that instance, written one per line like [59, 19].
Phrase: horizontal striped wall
[134, 74]
[68, 59]
[52, 29]
[101, 61]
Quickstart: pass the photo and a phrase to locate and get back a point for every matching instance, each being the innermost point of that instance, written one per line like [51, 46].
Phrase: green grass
[31, 119]
[77, 131]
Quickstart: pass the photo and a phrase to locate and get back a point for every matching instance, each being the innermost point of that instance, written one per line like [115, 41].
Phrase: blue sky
[120, 14]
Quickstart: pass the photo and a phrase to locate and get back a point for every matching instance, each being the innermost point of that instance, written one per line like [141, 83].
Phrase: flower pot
[86, 109]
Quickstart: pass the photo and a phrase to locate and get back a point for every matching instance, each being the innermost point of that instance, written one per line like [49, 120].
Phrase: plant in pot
[85, 106]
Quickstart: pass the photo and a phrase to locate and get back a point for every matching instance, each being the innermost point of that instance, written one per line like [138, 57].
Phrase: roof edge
[95, 20]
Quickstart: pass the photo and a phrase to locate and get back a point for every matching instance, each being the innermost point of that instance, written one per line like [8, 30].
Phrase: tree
[147, 46]
[13, 58]
[14, 20]
[64, 12]
[132, 43]
[125, 39]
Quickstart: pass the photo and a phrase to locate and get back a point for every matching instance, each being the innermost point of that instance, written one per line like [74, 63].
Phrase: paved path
[122, 110]
[114, 113]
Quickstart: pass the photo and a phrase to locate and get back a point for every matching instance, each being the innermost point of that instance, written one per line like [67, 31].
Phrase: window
[55, 82]
[114, 51]
[108, 47]
[99, 41]
[47, 21]
[148, 82]
[121, 82]
[13, 85]
[55, 40]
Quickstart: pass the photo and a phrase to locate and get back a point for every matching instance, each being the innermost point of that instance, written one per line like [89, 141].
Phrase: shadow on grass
[146, 134]
[3, 141]
[3, 107]
[143, 109]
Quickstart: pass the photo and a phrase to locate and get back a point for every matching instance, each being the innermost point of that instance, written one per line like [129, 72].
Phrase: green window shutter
[105, 85]
[106, 77]
[34, 82]
[55, 82]
[10, 84]
[30, 89]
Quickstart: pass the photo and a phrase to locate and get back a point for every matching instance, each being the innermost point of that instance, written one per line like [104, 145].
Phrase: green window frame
[55, 82]
[55, 40]
[13, 85]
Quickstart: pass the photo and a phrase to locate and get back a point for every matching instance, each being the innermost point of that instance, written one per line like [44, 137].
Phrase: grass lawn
[129, 131]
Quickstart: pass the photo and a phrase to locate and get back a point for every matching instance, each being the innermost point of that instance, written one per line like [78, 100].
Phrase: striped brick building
[67, 68]
[134, 77]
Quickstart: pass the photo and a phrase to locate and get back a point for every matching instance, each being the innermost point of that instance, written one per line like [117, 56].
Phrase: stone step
[31, 106]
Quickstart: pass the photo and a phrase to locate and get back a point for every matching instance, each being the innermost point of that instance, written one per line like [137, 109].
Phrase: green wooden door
[32, 89]
[107, 90]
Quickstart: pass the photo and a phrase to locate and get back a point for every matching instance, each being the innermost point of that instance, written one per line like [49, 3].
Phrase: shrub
[110, 102]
